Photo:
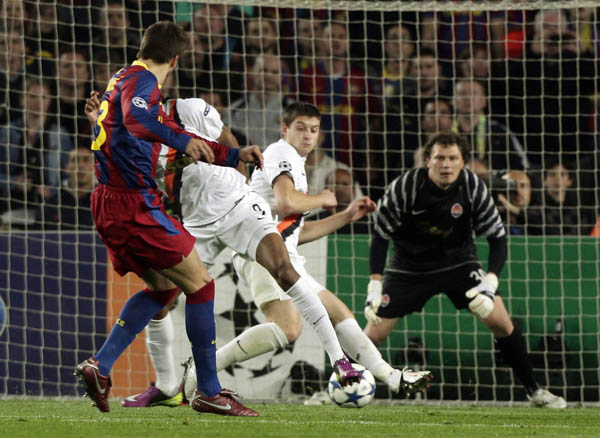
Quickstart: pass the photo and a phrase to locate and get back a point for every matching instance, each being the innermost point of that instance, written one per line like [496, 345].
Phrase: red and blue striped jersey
[130, 128]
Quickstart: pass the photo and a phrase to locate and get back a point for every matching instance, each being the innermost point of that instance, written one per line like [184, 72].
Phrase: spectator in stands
[516, 204]
[555, 83]
[399, 47]
[345, 98]
[447, 32]
[200, 68]
[33, 153]
[261, 37]
[489, 139]
[341, 183]
[41, 36]
[215, 44]
[559, 211]
[73, 90]
[425, 82]
[12, 74]
[308, 39]
[113, 31]
[258, 115]
[210, 23]
[69, 208]
[105, 64]
[12, 15]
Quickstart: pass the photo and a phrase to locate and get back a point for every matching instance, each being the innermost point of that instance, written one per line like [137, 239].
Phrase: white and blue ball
[355, 395]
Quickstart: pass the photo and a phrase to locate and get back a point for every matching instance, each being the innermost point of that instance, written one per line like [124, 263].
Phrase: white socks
[313, 311]
[252, 342]
[360, 348]
[159, 339]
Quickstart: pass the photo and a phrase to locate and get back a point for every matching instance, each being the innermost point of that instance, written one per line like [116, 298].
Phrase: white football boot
[409, 381]
[542, 398]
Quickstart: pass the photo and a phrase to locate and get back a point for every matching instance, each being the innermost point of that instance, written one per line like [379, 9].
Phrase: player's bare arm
[291, 201]
[314, 230]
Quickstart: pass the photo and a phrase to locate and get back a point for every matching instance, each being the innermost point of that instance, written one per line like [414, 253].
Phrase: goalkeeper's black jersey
[432, 229]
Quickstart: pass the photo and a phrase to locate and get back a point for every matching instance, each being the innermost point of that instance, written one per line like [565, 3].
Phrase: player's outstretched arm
[291, 201]
[313, 230]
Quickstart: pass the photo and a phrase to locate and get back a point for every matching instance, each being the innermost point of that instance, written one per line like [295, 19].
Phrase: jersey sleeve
[487, 221]
[277, 163]
[197, 113]
[388, 216]
[141, 108]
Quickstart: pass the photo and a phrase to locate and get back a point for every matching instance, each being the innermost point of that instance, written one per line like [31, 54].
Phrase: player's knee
[376, 336]
[292, 330]
[285, 275]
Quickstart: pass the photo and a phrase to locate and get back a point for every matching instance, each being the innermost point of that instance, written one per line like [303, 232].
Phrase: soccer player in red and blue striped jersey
[131, 219]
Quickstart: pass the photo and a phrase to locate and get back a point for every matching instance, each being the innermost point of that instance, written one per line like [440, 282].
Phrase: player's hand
[359, 208]
[92, 106]
[252, 155]
[328, 201]
[199, 150]
[482, 296]
[373, 302]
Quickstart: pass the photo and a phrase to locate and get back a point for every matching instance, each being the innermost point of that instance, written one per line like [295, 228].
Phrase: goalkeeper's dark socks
[200, 327]
[137, 312]
[514, 351]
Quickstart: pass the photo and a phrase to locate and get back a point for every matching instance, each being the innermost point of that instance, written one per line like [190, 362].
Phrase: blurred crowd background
[521, 85]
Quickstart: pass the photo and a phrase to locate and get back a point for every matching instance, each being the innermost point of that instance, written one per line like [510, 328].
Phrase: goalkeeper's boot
[152, 397]
[542, 398]
[222, 403]
[408, 381]
[97, 386]
[346, 372]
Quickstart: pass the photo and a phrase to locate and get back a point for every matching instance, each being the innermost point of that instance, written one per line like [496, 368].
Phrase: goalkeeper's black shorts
[405, 293]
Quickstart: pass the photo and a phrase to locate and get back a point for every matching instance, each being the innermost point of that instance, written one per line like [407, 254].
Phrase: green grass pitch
[33, 418]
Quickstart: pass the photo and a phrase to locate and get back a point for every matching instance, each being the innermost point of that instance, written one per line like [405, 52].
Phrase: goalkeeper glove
[482, 296]
[373, 301]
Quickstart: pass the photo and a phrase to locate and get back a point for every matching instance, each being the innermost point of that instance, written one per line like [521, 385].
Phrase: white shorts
[241, 229]
[263, 287]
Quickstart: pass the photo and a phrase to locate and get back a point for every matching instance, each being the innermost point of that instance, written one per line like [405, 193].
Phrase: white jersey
[208, 192]
[281, 157]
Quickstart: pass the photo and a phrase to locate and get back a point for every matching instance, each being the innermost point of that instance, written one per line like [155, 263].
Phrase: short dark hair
[162, 42]
[299, 109]
[448, 138]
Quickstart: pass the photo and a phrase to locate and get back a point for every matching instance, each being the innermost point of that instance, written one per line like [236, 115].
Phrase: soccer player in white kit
[282, 182]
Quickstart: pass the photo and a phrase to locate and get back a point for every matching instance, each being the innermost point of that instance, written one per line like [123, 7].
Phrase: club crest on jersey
[385, 300]
[285, 166]
[139, 102]
[456, 211]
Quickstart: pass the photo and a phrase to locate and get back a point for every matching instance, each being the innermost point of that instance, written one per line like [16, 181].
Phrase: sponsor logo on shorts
[456, 211]
[385, 300]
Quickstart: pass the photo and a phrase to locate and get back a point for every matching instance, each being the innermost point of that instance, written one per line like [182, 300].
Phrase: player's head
[445, 156]
[163, 42]
[301, 126]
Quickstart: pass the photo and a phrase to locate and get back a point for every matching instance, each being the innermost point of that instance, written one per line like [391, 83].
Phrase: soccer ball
[355, 395]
